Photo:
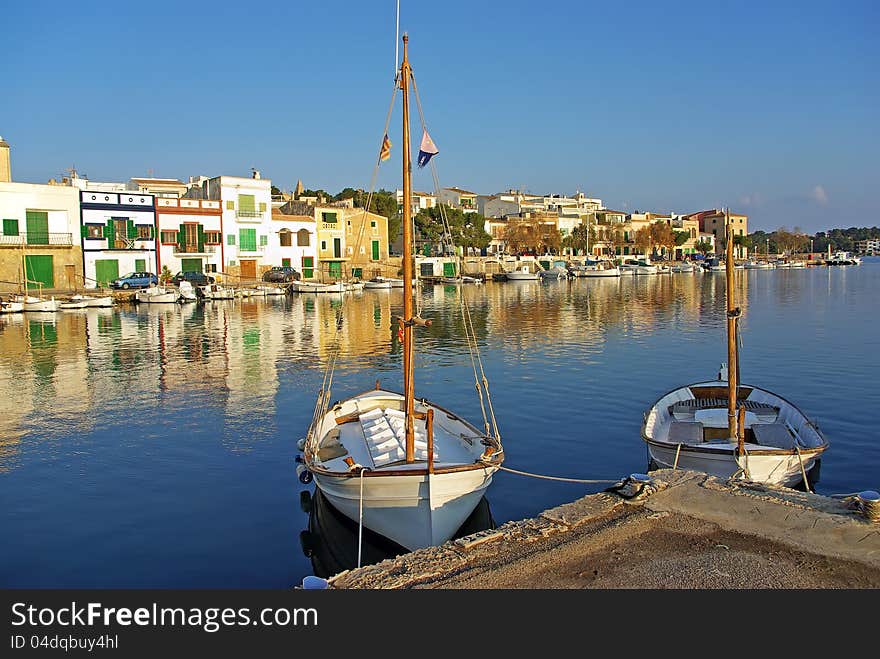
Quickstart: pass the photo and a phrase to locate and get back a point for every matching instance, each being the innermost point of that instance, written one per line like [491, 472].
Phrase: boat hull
[157, 298]
[42, 305]
[415, 511]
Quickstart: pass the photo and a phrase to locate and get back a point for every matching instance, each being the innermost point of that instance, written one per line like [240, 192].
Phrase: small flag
[385, 152]
[400, 334]
[427, 150]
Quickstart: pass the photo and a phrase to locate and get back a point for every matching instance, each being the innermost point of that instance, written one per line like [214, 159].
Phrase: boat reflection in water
[331, 541]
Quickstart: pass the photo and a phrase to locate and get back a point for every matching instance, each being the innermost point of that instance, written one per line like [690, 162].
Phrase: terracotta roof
[460, 191]
[281, 217]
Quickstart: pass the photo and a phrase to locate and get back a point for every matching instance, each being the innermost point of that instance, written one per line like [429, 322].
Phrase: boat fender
[307, 543]
[301, 444]
[315, 583]
[299, 460]
[304, 475]
[305, 501]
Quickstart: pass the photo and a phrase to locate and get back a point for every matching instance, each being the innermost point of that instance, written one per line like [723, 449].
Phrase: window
[285, 263]
[247, 240]
[373, 224]
[329, 218]
[212, 237]
[302, 238]
[349, 249]
[323, 245]
[246, 206]
[210, 267]
[144, 231]
[285, 237]
[230, 239]
[264, 240]
[10, 227]
[262, 206]
[230, 205]
[95, 231]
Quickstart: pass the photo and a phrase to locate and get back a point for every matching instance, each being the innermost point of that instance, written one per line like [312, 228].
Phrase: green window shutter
[131, 229]
[246, 204]
[375, 250]
[140, 265]
[329, 218]
[230, 239]
[264, 240]
[10, 227]
[262, 206]
[247, 240]
[37, 227]
[181, 238]
[108, 232]
[200, 239]
[230, 205]
[285, 263]
[83, 230]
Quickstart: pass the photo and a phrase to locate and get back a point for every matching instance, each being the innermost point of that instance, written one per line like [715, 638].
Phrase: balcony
[37, 239]
[249, 213]
[251, 250]
[194, 249]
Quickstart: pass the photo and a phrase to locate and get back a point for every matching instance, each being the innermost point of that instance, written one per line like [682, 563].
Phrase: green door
[336, 269]
[191, 265]
[140, 265]
[375, 250]
[448, 269]
[337, 248]
[247, 240]
[37, 227]
[285, 263]
[39, 268]
[308, 267]
[106, 270]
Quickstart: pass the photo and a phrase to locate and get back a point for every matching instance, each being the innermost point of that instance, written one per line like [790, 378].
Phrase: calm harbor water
[154, 446]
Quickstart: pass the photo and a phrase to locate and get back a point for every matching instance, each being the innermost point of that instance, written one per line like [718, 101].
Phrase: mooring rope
[553, 478]
[803, 471]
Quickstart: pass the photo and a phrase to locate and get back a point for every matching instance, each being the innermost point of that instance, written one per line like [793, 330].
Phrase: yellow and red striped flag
[385, 152]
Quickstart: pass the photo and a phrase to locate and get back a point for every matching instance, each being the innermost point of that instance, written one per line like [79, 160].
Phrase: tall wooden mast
[732, 315]
[408, 334]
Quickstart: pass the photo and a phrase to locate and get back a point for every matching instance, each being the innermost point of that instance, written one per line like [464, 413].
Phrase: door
[337, 248]
[106, 270]
[140, 265]
[375, 250]
[191, 238]
[39, 268]
[248, 269]
[308, 267]
[448, 269]
[120, 233]
[336, 269]
[191, 265]
[37, 227]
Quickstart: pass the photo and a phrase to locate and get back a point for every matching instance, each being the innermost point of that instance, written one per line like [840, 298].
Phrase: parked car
[281, 273]
[194, 278]
[135, 280]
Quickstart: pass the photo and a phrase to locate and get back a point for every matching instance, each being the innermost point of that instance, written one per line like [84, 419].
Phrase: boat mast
[408, 334]
[732, 315]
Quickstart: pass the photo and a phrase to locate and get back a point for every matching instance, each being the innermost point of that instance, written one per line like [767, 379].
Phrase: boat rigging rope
[481, 382]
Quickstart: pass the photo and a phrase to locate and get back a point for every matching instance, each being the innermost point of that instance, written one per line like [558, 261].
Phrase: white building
[293, 242]
[420, 200]
[458, 198]
[247, 220]
[118, 235]
[190, 235]
[40, 232]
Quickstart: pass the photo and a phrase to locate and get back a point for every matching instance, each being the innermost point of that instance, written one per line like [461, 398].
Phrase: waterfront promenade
[693, 532]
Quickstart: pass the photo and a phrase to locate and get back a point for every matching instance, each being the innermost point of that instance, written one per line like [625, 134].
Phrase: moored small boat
[157, 295]
[103, 301]
[318, 287]
[73, 304]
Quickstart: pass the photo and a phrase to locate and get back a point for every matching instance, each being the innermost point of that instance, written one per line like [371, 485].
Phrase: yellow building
[712, 221]
[366, 242]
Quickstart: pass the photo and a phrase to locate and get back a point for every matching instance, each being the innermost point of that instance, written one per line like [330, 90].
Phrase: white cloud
[819, 195]
[751, 200]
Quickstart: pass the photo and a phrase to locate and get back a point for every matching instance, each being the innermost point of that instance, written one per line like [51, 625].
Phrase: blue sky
[770, 108]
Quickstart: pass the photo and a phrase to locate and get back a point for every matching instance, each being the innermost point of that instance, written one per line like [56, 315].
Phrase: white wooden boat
[73, 304]
[757, 265]
[157, 295]
[354, 285]
[217, 292]
[318, 287]
[103, 301]
[409, 470]
[270, 290]
[729, 429]
[38, 304]
[380, 283]
[601, 268]
[464, 279]
[523, 273]
[554, 273]
[843, 258]
[639, 267]
[683, 267]
[10, 306]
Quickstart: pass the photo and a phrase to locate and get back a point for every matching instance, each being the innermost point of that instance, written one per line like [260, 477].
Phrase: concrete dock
[685, 530]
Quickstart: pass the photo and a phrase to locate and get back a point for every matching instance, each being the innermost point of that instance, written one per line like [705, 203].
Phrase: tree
[580, 238]
[663, 235]
[276, 191]
[166, 275]
[642, 239]
[467, 229]
[703, 247]
[618, 240]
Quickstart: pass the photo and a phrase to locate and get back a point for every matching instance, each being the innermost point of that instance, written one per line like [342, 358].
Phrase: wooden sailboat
[407, 469]
[730, 429]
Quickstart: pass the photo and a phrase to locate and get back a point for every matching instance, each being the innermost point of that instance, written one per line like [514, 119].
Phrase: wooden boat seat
[685, 409]
[775, 435]
[685, 432]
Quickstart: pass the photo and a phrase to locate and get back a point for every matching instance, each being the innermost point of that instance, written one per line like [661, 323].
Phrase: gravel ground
[635, 551]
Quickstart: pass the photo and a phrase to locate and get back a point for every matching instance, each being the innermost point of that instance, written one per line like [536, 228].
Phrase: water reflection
[331, 540]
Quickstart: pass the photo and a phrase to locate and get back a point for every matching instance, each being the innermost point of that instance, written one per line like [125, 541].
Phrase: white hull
[157, 296]
[315, 287]
[677, 427]
[215, 292]
[74, 304]
[106, 301]
[523, 275]
[11, 307]
[380, 283]
[610, 272]
[683, 268]
[42, 305]
[270, 290]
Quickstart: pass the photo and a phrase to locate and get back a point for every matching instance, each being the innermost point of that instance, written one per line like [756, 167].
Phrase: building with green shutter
[246, 207]
[39, 237]
[190, 235]
[118, 234]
